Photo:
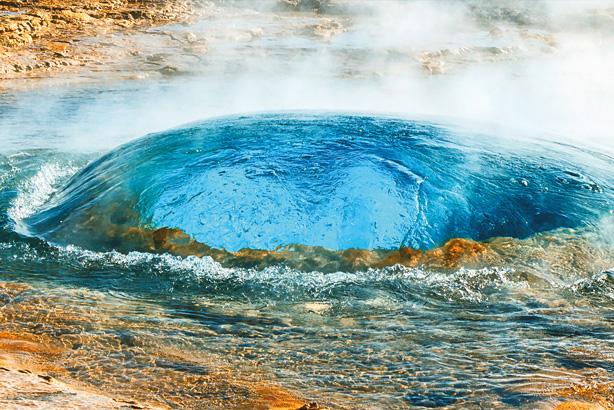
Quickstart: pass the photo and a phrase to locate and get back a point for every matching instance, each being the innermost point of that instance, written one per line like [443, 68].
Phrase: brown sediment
[116, 228]
[43, 36]
[27, 343]
[578, 405]
[457, 252]
[73, 349]
[275, 398]
[454, 253]
[576, 389]
[29, 375]
[598, 394]
[22, 388]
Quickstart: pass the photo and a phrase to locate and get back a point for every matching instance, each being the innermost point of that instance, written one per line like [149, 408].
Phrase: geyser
[328, 180]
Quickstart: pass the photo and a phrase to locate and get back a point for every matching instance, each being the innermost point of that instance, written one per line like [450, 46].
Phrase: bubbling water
[130, 292]
[331, 181]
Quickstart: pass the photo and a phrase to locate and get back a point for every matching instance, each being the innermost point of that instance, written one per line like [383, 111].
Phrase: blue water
[530, 323]
[335, 181]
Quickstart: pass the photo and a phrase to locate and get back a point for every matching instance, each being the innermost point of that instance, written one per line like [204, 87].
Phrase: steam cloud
[538, 68]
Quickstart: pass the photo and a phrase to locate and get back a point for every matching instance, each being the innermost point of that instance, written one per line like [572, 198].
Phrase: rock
[56, 47]
[21, 388]
[256, 32]
[578, 405]
[71, 16]
[13, 345]
[12, 289]
[275, 398]
[318, 6]
[42, 368]
[316, 307]
[310, 406]
[169, 70]
[190, 38]
[44, 29]
[328, 28]
[156, 58]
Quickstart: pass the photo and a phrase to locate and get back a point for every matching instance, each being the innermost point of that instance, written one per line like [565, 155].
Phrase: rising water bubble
[323, 180]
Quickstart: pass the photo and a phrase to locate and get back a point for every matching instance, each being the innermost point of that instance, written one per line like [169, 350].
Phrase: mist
[539, 69]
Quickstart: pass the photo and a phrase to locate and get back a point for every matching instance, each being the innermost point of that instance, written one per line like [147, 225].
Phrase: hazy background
[538, 68]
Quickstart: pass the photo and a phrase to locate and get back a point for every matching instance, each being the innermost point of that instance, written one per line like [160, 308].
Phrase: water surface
[520, 327]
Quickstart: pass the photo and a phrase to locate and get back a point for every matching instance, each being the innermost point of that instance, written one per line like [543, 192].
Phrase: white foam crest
[37, 190]
[464, 283]
[601, 283]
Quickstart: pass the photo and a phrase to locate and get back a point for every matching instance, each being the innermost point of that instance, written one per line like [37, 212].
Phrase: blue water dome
[330, 180]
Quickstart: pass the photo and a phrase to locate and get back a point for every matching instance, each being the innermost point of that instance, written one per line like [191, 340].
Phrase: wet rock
[579, 405]
[273, 397]
[442, 61]
[57, 47]
[12, 343]
[169, 70]
[581, 389]
[61, 333]
[156, 58]
[191, 38]
[328, 28]
[305, 5]
[516, 13]
[42, 30]
[10, 290]
[25, 388]
[316, 307]
[310, 406]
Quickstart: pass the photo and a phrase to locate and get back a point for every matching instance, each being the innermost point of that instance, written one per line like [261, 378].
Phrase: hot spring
[362, 261]
[320, 180]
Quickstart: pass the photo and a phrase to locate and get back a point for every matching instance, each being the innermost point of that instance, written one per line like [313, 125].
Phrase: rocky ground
[39, 36]
[58, 38]
[55, 357]
[133, 38]
[39, 341]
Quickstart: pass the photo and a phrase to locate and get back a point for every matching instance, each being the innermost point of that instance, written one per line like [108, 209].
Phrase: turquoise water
[511, 330]
[335, 181]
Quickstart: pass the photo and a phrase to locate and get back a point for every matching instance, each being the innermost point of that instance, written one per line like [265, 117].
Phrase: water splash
[36, 191]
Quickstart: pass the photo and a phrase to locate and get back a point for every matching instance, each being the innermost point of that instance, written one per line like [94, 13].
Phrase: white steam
[538, 68]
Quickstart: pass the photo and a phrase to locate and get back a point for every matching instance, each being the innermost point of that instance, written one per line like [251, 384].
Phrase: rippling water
[319, 251]
[333, 181]
[526, 320]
